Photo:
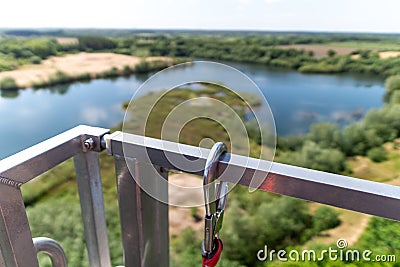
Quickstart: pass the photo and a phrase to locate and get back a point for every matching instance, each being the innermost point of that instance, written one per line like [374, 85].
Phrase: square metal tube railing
[359, 195]
[16, 245]
[144, 220]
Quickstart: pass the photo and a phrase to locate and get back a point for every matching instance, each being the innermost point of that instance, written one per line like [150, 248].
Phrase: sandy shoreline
[74, 65]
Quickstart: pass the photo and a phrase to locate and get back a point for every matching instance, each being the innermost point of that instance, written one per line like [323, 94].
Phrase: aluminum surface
[16, 244]
[33, 161]
[144, 220]
[51, 248]
[336, 190]
[90, 190]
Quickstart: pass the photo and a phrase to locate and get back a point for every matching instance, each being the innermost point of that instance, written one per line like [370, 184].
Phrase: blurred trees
[8, 83]
[325, 218]
[377, 154]
[261, 49]
[277, 222]
[93, 43]
[331, 53]
[313, 156]
[42, 48]
[392, 84]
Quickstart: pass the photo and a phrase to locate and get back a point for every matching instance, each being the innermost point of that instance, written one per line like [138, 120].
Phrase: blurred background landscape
[334, 93]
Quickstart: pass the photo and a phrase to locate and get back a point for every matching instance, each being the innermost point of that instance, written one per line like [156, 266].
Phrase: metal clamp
[215, 199]
[52, 248]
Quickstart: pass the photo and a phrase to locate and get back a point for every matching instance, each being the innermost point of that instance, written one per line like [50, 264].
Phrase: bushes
[7, 63]
[331, 53]
[377, 154]
[394, 98]
[321, 67]
[35, 60]
[356, 139]
[381, 233]
[325, 218]
[61, 220]
[327, 135]
[392, 83]
[311, 155]
[111, 73]
[43, 222]
[42, 47]
[95, 43]
[147, 66]
[278, 222]
[61, 78]
[8, 83]
[58, 78]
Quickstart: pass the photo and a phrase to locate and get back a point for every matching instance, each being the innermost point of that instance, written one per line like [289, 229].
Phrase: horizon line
[205, 30]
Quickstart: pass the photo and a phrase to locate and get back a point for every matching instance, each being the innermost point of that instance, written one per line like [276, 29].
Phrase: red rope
[213, 260]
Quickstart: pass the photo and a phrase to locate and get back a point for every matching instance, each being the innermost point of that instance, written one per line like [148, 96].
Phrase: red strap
[212, 261]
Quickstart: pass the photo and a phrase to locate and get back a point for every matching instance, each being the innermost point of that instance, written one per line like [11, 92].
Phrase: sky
[271, 15]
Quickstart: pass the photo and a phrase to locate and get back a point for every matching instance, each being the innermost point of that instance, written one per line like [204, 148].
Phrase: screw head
[89, 144]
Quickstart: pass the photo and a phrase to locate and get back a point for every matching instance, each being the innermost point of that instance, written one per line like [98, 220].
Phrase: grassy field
[321, 50]
[386, 171]
[343, 48]
[363, 45]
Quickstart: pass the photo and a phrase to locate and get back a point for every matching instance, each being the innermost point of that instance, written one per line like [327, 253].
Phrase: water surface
[297, 100]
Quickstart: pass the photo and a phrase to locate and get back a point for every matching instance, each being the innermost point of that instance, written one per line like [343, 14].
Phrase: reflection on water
[9, 93]
[33, 115]
[297, 100]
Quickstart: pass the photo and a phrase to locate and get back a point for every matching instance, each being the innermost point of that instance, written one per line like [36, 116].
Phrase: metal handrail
[16, 243]
[350, 193]
[145, 235]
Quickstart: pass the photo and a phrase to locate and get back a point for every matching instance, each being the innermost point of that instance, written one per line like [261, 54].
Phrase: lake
[297, 100]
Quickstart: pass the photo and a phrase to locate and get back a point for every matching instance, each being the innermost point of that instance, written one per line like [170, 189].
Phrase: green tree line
[261, 49]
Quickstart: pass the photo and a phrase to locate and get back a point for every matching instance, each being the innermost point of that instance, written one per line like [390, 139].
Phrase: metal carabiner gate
[215, 202]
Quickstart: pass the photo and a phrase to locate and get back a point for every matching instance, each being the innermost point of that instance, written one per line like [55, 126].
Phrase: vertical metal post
[92, 205]
[144, 220]
[16, 244]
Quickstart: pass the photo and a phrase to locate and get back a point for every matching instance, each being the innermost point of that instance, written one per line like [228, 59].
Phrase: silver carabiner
[214, 198]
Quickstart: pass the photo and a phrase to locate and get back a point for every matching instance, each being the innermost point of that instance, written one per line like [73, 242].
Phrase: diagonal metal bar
[31, 162]
[336, 190]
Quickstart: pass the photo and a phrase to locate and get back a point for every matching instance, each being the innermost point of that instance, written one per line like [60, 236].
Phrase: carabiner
[214, 198]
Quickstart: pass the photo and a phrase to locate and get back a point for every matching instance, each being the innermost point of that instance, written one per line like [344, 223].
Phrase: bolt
[162, 169]
[89, 144]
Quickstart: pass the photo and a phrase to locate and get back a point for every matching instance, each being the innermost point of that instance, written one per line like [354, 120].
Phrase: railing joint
[10, 182]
